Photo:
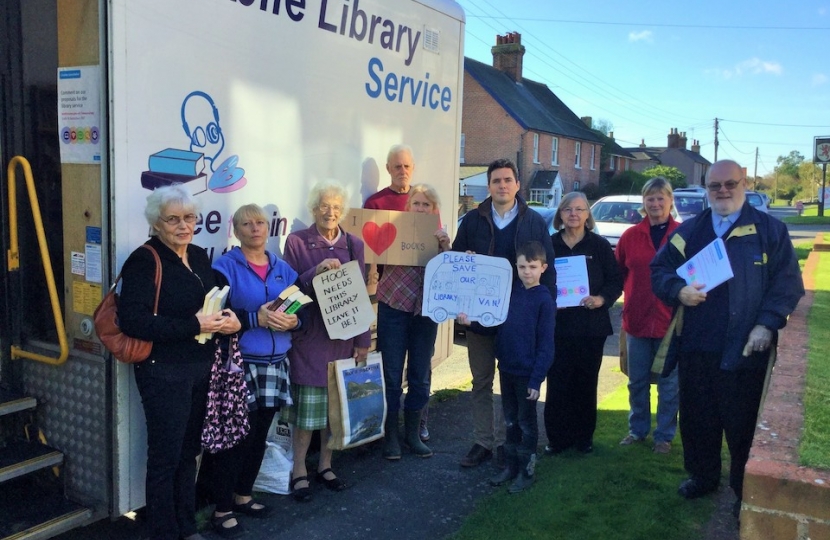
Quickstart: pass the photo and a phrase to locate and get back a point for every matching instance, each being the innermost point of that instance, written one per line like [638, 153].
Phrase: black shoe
[499, 457]
[476, 456]
[302, 494]
[218, 523]
[334, 484]
[736, 509]
[585, 448]
[553, 450]
[693, 488]
[249, 510]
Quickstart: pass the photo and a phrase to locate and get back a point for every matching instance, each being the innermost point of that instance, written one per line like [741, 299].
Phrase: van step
[32, 513]
[12, 402]
[18, 458]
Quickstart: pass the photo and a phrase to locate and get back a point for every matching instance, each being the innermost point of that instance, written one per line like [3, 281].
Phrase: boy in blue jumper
[524, 349]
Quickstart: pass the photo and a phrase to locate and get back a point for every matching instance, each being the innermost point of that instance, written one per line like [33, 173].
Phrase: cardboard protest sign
[404, 238]
[344, 302]
[477, 285]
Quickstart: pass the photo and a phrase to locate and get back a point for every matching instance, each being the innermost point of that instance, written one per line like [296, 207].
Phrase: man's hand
[759, 340]
[690, 295]
[532, 394]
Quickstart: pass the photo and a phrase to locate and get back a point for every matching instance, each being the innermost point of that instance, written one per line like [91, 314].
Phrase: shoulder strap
[157, 278]
[349, 244]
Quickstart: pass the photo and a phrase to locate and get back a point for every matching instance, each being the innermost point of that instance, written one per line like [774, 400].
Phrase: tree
[672, 174]
[789, 164]
[602, 125]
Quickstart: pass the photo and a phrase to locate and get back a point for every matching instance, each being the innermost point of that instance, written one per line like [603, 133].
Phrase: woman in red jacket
[646, 319]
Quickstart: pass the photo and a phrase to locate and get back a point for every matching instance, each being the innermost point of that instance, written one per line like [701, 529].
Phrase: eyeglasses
[729, 184]
[336, 208]
[190, 219]
[574, 210]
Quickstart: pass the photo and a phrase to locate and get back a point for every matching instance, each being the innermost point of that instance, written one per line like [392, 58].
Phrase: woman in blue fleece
[256, 277]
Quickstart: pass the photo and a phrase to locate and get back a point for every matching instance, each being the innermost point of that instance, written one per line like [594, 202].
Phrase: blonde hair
[429, 192]
[248, 211]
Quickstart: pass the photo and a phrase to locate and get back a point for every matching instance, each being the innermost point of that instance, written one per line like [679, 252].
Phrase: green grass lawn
[815, 443]
[620, 492]
[809, 217]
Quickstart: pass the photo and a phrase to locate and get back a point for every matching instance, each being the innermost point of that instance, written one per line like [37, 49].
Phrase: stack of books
[214, 303]
[291, 300]
[172, 166]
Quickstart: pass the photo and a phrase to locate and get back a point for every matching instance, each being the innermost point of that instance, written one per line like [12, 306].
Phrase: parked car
[755, 199]
[616, 213]
[693, 189]
[689, 203]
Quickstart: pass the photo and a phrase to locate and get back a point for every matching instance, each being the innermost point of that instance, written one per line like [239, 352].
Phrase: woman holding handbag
[321, 248]
[173, 381]
[256, 278]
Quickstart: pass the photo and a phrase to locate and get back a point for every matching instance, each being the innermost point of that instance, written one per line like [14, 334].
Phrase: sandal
[218, 523]
[334, 484]
[302, 494]
[249, 510]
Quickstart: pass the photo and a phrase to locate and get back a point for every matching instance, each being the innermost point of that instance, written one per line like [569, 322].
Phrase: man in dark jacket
[497, 227]
[729, 332]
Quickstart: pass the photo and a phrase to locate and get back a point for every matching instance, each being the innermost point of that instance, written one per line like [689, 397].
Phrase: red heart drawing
[379, 238]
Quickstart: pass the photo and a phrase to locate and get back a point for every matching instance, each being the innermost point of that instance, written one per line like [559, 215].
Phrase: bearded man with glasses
[728, 335]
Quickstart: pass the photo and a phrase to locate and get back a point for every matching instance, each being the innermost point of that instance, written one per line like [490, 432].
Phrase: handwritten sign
[405, 238]
[343, 301]
[477, 285]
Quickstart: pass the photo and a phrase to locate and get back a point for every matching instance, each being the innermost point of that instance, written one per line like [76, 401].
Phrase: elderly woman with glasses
[173, 381]
[321, 248]
[581, 331]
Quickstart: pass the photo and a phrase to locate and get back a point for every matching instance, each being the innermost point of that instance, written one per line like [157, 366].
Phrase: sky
[761, 68]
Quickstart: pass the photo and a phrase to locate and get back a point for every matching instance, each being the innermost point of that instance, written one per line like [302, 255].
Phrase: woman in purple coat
[323, 247]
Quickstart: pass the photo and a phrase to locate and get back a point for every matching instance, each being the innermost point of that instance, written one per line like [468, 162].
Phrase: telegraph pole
[716, 139]
[755, 174]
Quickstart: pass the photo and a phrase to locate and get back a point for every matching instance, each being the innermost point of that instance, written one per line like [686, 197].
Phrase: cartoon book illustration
[174, 161]
[194, 184]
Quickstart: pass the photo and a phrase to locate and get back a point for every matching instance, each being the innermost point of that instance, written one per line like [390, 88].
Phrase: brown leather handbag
[123, 347]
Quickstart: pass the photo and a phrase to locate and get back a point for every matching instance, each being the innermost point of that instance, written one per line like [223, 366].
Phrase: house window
[593, 156]
[535, 148]
[539, 195]
[554, 155]
[576, 184]
[577, 155]
[461, 153]
[612, 163]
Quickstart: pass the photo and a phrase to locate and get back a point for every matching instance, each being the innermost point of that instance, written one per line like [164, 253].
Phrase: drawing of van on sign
[477, 285]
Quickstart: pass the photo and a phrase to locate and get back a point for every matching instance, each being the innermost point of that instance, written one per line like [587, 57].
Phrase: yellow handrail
[14, 259]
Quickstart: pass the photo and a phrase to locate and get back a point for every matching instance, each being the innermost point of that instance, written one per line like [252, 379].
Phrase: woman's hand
[326, 265]
[230, 322]
[444, 242]
[592, 302]
[461, 318]
[360, 354]
[280, 322]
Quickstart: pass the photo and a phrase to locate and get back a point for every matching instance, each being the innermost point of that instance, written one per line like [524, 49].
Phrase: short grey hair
[397, 149]
[566, 200]
[166, 196]
[328, 188]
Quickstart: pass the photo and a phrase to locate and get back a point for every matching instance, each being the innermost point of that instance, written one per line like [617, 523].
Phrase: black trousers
[714, 403]
[174, 398]
[235, 470]
[571, 400]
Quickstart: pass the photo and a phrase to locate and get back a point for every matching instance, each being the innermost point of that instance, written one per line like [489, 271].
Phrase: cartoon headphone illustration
[211, 133]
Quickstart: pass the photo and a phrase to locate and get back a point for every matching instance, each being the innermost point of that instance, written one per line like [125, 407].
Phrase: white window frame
[577, 155]
[593, 156]
[554, 151]
[535, 148]
[612, 163]
[538, 195]
[462, 149]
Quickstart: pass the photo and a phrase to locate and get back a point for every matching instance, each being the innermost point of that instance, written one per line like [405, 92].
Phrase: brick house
[614, 159]
[674, 154]
[507, 115]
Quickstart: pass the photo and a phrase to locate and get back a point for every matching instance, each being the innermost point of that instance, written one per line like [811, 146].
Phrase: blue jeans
[400, 333]
[641, 352]
[522, 429]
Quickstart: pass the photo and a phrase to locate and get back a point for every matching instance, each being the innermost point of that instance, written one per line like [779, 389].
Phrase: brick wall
[783, 500]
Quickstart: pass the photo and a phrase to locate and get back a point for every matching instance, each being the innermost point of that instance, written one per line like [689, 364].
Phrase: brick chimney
[674, 139]
[611, 135]
[588, 121]
[696, 146]
[682, 141]
[642, 143]
[507, 55]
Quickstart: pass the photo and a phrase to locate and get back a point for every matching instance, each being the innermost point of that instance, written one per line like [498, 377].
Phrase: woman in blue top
[256, 277]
